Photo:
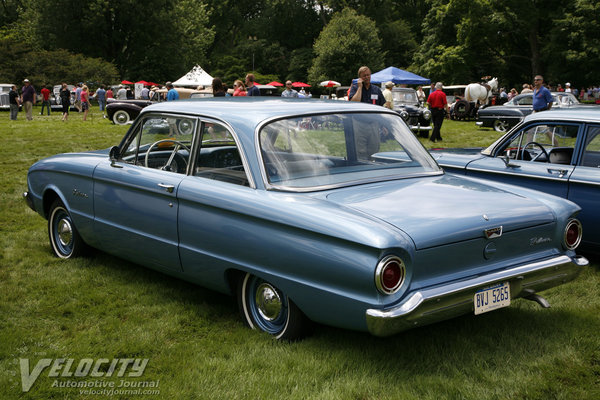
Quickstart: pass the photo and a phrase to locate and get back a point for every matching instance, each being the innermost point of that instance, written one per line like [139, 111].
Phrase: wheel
[121, 117]
[461, 109]
[64, 238]
[536, 144]
[264, 307]
[500, 126]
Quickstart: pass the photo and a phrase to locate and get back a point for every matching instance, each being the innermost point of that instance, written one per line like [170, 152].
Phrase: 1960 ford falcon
[304, 212]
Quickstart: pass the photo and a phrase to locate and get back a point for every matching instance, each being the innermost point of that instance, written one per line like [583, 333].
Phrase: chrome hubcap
[65, 232]
[268, 302]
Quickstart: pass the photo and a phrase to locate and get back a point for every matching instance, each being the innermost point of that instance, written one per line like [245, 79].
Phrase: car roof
[249, 111]
[570, 114]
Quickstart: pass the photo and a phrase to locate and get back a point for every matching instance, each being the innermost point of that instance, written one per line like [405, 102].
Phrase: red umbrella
[300, 84]
[275, 83]
[144, 83]
[329, 84]
[126, 83]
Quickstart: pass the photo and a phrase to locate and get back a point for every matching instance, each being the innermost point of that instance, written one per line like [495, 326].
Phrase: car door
[584, 185]
[135, 197]
[540, 156]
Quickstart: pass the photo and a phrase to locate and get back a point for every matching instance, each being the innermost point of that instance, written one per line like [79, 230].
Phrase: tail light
[389, 274]
[573, 232]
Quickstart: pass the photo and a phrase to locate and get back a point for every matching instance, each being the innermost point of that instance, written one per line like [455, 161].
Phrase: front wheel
[268, 309]
[64, 238]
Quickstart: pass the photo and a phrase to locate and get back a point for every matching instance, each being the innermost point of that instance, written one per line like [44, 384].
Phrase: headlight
[389, 274]
[404, 115]
[427, 114]
[573, 233]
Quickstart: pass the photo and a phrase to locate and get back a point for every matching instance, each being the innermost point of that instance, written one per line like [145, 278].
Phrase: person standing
[568, 88]
[28, 99]
[122, 93]
[100, 96]
[421, 94]
[542, 99]
[109, 93]
[252, 89]
[65, 100]
[439, 109]
[13, 100]
[145, 93]
[172, 94]
[387, 94]
[289, 92]
[85, 101]
[45, 99]
[78, 97]
[238, 88]
[218, 88]
[363, 91]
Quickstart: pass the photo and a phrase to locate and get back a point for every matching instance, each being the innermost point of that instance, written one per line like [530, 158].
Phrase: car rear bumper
[447, 301]
[420, 128]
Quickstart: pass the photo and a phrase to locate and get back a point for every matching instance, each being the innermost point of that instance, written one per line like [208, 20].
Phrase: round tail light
[573, 232]
[389, 274]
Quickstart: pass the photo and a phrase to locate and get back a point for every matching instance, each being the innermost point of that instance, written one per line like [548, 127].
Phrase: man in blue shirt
[172, 93]
[542, 99]
[363, 91]
[252, 90]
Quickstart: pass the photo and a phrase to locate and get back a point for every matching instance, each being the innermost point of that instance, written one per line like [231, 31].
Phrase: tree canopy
[455, 41]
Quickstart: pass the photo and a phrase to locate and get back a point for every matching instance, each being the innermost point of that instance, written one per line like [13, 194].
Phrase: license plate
[492, 298]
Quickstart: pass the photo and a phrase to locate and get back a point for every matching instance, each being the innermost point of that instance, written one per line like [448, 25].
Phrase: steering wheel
[178, 145]
[537, 156]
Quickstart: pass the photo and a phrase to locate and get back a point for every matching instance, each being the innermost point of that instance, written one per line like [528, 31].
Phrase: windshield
[308, 153]
[405, 97]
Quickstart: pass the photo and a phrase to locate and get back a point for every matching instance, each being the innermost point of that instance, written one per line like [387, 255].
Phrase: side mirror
[507, 162]
[113, 156]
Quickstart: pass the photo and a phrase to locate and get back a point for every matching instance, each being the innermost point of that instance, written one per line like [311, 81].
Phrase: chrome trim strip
[422, 128]
[435, 304]
[549, 178]
[584, 182]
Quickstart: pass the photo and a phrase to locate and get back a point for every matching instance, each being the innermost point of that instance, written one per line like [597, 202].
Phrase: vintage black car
[504, 117]
[417, 117]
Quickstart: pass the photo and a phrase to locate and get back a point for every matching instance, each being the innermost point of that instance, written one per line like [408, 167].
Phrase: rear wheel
[121, 117]
[461, 109]
[64, 238]
[267, 308]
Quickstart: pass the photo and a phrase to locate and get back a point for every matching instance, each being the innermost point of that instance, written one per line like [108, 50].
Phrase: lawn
[197, 346]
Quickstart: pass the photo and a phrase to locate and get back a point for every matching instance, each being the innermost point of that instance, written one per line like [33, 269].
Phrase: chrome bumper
[420, 128]
[479, 123]
[444, 302]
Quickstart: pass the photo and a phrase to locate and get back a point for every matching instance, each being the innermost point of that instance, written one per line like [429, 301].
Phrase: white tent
[196, 77]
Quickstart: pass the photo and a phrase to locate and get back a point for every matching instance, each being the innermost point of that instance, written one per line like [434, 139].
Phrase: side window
[526, 101]
[591, 153]
[219, 157]
[554, 143]
[162, 142]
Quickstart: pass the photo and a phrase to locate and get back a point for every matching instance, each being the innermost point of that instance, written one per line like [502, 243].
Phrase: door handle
[561, 172]
[168, 188]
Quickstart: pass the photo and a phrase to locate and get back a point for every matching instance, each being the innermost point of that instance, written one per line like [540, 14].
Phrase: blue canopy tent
[398, 76]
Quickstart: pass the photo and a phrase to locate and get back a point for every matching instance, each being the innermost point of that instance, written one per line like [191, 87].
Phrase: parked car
[505, 116]
[407, 104]
[557, 152]
[4, 100]
[123, 112]
[325, 224]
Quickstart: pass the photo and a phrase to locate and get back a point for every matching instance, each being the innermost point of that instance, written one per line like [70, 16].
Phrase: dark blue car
[557, 152]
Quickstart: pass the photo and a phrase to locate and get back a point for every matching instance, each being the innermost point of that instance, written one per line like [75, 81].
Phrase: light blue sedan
[322, 211]
[557, 152]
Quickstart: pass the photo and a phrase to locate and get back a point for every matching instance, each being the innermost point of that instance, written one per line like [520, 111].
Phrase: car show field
[197, 345]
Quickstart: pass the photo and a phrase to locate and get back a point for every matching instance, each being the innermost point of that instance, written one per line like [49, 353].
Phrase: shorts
[85, 106]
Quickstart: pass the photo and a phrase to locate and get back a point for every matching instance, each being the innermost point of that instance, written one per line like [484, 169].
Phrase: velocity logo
[86, 367]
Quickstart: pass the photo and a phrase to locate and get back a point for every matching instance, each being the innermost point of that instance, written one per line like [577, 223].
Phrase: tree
[346, 43]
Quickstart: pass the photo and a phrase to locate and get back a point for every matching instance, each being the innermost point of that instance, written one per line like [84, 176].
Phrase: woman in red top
[85, 101]
[238, 88]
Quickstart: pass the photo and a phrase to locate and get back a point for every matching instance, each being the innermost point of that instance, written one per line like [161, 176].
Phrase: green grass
[198, 347]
